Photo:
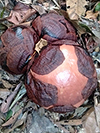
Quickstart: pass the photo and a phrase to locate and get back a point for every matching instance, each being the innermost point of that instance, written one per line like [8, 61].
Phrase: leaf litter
[18, 113]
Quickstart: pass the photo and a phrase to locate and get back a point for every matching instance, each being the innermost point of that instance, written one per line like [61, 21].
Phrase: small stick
[56, 3]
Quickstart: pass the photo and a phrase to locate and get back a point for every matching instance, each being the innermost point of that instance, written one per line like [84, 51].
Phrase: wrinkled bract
[18, 45]
[54, 27]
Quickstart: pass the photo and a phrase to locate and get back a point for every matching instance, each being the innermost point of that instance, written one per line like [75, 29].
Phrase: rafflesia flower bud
[18, 44]
[61, 78]
[54, 27]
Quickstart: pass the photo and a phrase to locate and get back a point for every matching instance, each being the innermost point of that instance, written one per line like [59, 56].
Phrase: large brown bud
[54, 27]
[18, 44]
[61, 78]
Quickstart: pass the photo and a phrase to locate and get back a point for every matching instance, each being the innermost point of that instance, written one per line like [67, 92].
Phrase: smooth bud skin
[61, 78]
[18, 44]
[53, 27]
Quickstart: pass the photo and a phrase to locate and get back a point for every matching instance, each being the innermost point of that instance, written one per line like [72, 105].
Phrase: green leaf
[86, 28]
[2, 13]
[9, 114]
[97, 8]
[20, 94]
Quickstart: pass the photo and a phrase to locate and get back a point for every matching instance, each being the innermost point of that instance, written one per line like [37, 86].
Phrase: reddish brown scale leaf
[49, 59]
[62, 108]
[65, 41]
[19, 43]
[86, 67]
[54, 27]
[89, 88]
[43, 93]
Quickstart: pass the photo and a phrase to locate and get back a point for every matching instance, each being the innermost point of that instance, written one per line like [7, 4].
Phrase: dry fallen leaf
[71, 122]
[20, 13]
[76, 8]
[98, 74]
[4, 93]
[18, 123]
[7, 84]
[2, 117]
[91, 120]
[12, 119]
[91, 15]
[7, 102]
[39, 9]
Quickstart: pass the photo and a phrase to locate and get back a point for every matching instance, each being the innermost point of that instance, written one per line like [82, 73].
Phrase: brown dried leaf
[39, 9]
[27, 1]
[71, 122]
[12, 119]
[76, 8]
[98, 74]
[7, 84]
[97, 115]
[62, 127]
[91, 15]
[7, 102]
[4, 93]
[17, 124]
[2, 117]
[75, 23]
[90, 123]
[20, 13]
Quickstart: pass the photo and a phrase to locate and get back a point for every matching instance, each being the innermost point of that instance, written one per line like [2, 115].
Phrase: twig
[56, 3]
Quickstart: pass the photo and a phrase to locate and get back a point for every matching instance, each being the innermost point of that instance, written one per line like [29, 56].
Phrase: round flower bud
[61, 78]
